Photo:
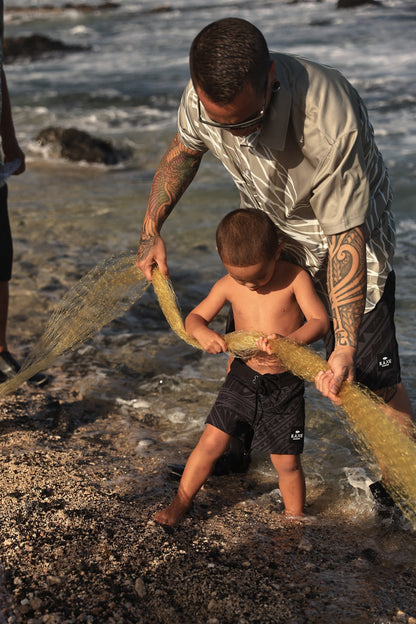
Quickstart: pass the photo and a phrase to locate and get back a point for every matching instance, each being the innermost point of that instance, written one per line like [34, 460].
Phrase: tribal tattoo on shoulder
[174, 174]
[347, 283]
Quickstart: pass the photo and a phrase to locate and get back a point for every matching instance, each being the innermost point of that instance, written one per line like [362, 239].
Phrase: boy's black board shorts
[266, 412]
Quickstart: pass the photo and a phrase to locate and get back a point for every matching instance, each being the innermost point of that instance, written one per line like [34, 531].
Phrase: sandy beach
[78, 543]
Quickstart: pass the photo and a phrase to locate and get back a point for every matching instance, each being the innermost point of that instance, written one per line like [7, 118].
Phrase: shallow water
[68, 218]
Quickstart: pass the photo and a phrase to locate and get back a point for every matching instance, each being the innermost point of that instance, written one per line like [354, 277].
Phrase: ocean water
[67, 217]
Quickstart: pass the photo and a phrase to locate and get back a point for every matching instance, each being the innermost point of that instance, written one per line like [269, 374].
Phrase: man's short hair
[225, 56]
[246, 237]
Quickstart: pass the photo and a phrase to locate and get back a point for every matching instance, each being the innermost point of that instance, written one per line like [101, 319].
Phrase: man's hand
[342, 369]
[152, 251]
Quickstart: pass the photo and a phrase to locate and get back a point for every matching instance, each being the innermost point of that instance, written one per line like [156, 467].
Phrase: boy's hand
[210, 341]
[264, 345]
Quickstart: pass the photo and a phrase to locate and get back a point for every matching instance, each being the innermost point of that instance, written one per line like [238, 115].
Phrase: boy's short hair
[246, 237]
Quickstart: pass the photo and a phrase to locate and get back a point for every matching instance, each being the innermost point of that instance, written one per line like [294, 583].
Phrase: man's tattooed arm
[175, 172]
[347, 284]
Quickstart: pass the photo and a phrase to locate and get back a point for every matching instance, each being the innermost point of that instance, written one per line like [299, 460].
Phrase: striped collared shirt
[313, 167]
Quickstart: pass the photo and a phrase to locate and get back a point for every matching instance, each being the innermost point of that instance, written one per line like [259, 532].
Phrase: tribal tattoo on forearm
[347, 284]
[174, 174]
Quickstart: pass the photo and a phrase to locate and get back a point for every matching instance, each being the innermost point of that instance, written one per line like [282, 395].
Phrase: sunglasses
[252, 121]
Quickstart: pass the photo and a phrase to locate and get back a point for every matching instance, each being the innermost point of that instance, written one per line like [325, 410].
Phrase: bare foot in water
[301, 518]
[170, 515]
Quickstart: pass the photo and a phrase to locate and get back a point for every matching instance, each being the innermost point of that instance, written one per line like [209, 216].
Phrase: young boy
[271, 296]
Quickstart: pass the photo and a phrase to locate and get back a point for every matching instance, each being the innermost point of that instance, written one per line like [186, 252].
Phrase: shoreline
[78, 543]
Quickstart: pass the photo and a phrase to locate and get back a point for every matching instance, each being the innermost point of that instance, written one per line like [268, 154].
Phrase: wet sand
[77, 543]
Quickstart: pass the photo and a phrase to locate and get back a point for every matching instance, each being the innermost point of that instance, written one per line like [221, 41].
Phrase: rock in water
[35, 46]
[77, 145]
[350, 4]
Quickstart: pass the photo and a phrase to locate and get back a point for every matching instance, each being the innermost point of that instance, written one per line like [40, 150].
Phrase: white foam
[134, 404]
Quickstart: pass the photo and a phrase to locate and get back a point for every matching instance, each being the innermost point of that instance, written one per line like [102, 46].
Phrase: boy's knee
[287, 463]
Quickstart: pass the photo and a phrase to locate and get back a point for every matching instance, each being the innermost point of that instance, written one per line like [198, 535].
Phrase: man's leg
[4, 308]
[6, 261]
[400, 410]
[378, 368]
[378, 361]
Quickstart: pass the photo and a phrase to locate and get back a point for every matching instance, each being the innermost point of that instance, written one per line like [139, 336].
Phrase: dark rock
[167, 8]
[68, 6]
[321, 22]
[350, 4]
[35, 46]
[88, 8]
[77, 145]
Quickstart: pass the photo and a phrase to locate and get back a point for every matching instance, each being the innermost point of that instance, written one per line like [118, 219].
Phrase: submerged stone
[77, 145]
[35, 46]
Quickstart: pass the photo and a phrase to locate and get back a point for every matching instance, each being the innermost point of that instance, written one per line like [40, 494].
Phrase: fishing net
[110, 289]
[103, 294]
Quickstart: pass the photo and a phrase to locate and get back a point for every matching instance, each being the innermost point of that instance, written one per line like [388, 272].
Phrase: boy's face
[255, 276]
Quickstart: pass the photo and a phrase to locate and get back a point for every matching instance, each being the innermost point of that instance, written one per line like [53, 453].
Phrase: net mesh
[111, 288]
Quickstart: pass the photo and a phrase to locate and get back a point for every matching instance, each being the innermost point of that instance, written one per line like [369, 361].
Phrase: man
[296, 138]
[14, 160]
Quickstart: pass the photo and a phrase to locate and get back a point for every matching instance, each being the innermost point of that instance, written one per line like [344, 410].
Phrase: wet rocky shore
[77, 543]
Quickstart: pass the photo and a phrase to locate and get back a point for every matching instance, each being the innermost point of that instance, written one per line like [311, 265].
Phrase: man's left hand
[342, 369]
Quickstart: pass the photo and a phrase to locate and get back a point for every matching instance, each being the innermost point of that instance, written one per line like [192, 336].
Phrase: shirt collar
[274, 127]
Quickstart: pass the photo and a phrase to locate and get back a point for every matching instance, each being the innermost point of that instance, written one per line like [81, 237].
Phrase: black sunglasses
[237, 126]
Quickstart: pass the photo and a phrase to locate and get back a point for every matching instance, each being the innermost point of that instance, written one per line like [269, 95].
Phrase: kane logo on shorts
[385, 361]
[296, 435]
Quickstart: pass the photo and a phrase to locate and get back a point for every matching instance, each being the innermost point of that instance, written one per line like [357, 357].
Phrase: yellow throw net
[101, 295]
[110, 289]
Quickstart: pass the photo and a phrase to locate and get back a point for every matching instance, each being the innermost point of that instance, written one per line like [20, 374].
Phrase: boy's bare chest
[278, 313]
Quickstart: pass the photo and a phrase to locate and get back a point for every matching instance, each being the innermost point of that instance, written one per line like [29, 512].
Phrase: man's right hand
[151, 252]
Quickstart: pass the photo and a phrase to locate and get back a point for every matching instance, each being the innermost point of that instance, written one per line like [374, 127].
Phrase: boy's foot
[304, 518]
[9, 367]
[170, 516]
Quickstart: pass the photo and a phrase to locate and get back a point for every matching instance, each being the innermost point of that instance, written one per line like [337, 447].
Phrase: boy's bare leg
[212, 444]
[291, 483]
